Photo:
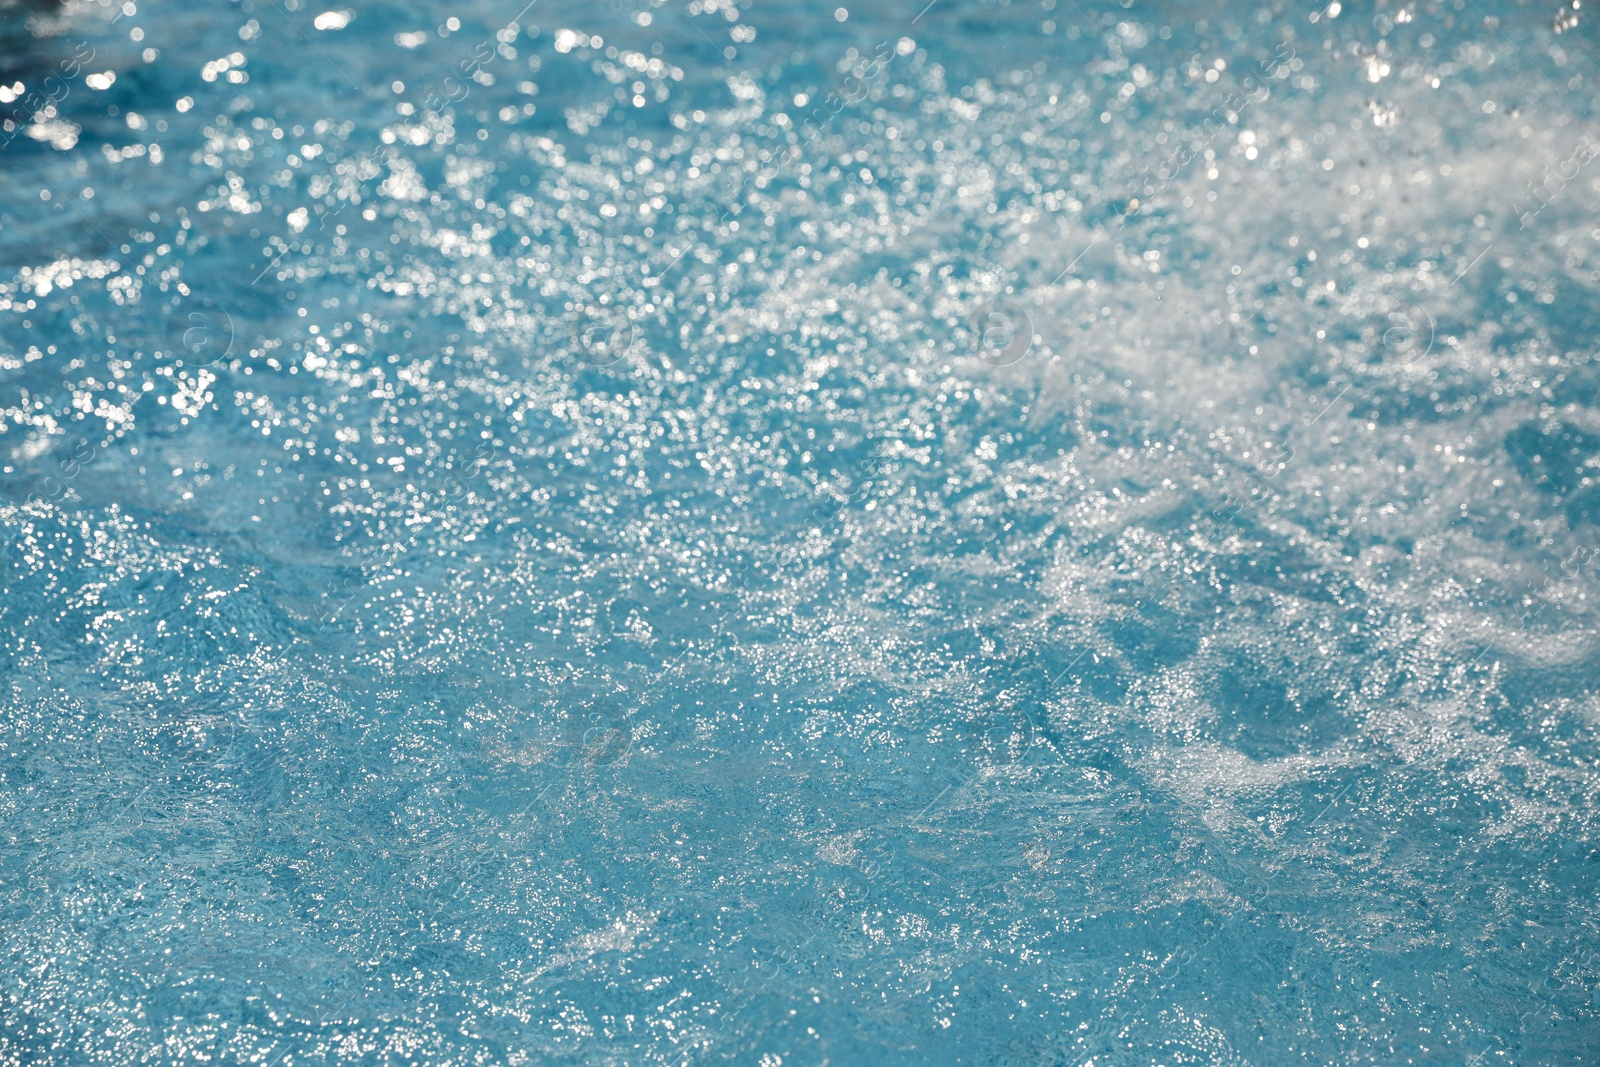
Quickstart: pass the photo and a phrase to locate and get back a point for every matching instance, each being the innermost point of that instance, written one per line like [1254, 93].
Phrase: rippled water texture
[668, 533]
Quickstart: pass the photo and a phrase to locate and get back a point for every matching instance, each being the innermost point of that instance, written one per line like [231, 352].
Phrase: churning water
[690, 531]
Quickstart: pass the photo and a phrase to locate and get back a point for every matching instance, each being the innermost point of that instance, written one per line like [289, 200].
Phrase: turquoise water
[676, 533]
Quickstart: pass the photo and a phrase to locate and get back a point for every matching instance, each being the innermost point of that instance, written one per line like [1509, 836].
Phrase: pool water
[688, 532]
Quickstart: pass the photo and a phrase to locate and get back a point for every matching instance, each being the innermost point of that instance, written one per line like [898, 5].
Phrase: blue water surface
[657, 532]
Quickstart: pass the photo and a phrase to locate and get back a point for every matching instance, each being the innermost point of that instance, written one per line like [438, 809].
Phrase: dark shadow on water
[31, 48]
